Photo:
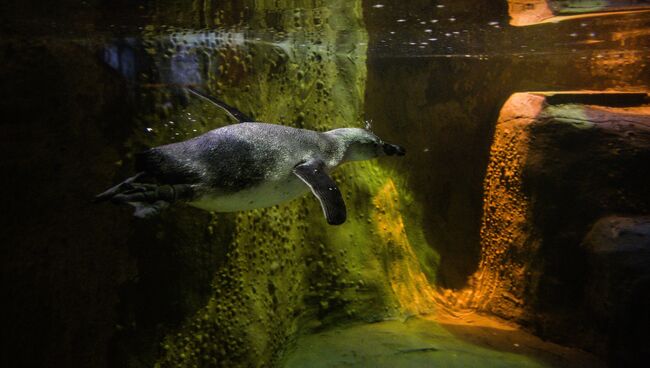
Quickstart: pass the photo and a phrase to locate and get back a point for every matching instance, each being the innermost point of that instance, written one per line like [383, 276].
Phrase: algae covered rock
[271, 273]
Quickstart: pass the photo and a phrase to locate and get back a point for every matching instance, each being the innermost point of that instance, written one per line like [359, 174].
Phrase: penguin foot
[148, 210]
[119, 188]
[149, 193]
[148, 199]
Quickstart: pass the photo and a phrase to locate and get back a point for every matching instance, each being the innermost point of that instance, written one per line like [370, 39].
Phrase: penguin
[246, 166]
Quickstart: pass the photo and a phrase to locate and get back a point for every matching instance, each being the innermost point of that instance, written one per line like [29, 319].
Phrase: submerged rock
[559, 162]
[619, 284]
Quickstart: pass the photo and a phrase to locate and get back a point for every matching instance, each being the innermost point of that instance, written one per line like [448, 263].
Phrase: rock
[414, 343]
[559, 162]
[283, 270]
[619, 282]
[530, 12]
[619, 236]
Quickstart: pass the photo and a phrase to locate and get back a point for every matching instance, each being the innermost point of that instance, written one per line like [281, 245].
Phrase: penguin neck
[340, 140]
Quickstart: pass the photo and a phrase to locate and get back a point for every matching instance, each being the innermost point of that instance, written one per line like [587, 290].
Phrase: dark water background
[76, 82]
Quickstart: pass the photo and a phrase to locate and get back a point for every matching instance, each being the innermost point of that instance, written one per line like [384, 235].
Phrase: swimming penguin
[245, 166]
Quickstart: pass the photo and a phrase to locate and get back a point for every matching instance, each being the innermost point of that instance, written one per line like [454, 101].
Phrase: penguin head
[362, 144]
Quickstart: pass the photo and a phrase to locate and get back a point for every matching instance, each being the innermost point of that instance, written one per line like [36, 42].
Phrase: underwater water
[86, 86]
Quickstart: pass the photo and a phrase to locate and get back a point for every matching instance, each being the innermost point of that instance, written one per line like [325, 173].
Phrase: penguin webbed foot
[147, 198]
[111, 192]
[148, 210]
[148, 193]
[130, 191]
[150, 199]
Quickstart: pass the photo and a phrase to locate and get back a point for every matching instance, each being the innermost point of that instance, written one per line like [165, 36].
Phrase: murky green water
[86, 85]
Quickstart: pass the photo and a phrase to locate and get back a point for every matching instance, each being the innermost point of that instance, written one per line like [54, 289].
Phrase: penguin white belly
[266, 194]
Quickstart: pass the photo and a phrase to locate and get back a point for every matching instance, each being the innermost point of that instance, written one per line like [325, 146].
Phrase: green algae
[394, 344]
[288, 271]
[282, 270]
[285, 269]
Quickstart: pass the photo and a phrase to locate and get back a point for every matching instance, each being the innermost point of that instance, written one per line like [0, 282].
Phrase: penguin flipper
[238, 115]
[324, 188]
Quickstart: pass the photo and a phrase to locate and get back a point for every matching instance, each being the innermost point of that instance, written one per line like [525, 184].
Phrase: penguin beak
[393, 149]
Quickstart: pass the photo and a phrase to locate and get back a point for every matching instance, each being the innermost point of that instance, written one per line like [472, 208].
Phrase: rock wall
[618, 249]
[559, 163]
[277, 271]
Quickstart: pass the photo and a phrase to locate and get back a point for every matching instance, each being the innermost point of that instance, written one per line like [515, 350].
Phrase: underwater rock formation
[279, 268]
[279, 271]
[559, 163]
[618, 251]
